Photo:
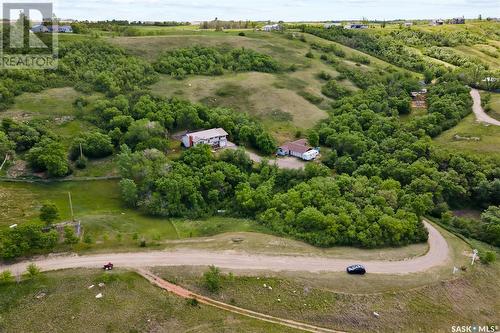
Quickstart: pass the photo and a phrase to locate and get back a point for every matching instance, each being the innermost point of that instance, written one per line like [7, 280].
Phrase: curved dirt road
[479, 111]
[437, 255]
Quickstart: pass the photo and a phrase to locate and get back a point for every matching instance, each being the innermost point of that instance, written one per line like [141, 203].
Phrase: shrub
[93, 144]
[32, 271]
[6, 277]
[81, 162]
[334, 90]
[213, 279]
[488, 257]
[192, 302]
[69, 235]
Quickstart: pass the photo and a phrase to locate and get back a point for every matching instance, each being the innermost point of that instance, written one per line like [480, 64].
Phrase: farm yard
[188, 152]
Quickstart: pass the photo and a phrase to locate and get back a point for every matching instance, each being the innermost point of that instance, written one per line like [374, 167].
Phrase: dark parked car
[356, 269]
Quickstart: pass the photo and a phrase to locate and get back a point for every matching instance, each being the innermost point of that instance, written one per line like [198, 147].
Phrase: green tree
[49, 213]
[313, 138]
[129, 192]
[49, 155]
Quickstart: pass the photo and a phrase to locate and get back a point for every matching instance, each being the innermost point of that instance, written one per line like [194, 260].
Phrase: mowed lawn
[129, 304]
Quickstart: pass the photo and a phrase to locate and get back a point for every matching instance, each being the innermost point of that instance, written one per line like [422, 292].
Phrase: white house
[300, 149]
[215, 137]
[39, 28]
[272, 27]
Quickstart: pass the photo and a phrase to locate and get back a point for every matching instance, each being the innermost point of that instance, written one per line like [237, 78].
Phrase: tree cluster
[26, 239]
[93, 65]
[213, 61]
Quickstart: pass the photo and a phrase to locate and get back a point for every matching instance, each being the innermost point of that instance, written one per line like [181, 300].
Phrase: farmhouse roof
[208, 134]
[299, 146]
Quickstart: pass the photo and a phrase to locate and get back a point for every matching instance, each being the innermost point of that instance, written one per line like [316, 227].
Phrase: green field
[98, 206]
[489, 136]
[129, 304]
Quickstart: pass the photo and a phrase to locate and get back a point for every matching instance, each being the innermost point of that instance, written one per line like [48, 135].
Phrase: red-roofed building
[300, 149]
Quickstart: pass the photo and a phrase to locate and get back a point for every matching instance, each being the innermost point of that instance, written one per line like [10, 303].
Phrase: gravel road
[437, 255]
[479, 111]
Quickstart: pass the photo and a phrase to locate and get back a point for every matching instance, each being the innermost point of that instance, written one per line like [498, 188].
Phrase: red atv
[108, 266]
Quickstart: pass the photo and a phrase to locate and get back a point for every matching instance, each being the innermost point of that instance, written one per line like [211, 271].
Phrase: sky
[274, 10]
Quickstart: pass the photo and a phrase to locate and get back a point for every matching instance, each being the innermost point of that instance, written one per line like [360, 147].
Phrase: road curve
[437, 255]
[479, 111]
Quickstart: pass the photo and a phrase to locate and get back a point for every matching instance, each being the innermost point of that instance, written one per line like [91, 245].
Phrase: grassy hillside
[283, 102]
[129, 304]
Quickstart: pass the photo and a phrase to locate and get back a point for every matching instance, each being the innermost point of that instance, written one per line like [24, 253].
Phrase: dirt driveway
[287, 162]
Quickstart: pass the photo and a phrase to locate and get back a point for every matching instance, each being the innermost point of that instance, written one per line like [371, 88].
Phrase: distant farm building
[436, 22]
[215, 137]
[419, 98]
[272, 27]
[356, 26]
[39, 28]
[300, 149]
[52, 28]
[457, 20]
[332, 24]
[64, 29]
[408, 24]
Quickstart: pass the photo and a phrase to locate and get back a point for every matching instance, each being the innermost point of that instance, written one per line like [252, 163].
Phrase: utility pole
[71, 206]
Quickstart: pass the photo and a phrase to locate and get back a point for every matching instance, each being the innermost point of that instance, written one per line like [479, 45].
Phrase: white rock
[101, 285]
[90, 287]
[376, 314]
[279, 299]
[98, 295]
[265, 285]
[270, 288]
